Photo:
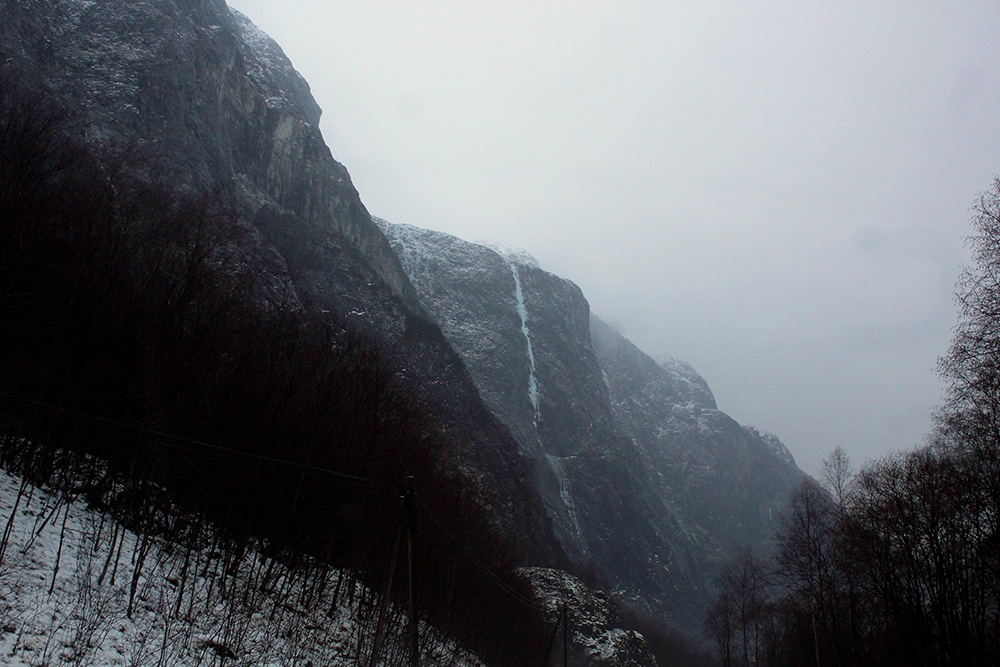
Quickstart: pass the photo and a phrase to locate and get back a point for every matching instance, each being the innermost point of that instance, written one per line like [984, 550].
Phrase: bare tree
[972, 365]
[737, 621]
[720, 626]
[838, 475]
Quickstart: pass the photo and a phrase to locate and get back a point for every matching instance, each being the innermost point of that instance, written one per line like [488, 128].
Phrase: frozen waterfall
[522, 310]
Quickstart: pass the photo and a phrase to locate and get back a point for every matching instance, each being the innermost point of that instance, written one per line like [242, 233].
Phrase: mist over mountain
[636, 465]
[206, 334]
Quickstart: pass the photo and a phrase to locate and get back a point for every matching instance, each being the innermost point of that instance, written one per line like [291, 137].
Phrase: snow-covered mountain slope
[66, 581]
[638, 468]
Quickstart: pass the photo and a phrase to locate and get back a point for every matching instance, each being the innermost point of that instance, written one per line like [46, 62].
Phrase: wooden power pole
[411, 568]
[565, 636]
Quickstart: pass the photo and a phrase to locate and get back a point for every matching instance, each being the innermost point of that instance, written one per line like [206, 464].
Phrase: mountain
[730, 479]
[641, 473]
[203, 101]
[201, 92]
[188, 267]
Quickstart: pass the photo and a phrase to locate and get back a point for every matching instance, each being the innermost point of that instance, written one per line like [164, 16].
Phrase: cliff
[564, 441]
[641, 473]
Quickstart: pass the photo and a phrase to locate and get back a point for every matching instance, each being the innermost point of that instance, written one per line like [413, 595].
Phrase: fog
[776, 193]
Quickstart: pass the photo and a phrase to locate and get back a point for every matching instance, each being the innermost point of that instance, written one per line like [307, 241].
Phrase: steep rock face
[199, 91]
[195, 97]
[732, 480]
[481, 325]
[638, 468]
[525, 337]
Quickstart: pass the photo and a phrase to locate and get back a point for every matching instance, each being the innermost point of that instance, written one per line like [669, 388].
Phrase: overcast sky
[774, 192]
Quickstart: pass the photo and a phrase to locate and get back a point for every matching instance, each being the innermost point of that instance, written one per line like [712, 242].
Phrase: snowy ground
[66, 577]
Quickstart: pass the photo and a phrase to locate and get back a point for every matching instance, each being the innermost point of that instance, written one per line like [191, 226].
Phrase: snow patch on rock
[272, 73]
[773, 443]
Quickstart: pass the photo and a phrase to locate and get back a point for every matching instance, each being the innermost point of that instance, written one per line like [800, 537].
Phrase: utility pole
[555, 633]
[386, 594]
[411, 567]
[565, 637]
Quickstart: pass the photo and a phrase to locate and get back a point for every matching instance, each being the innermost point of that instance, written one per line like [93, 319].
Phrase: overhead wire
[475, 559]
[344, 477]
[326, 472]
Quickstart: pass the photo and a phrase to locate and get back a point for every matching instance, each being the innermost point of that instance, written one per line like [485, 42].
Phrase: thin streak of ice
[522, 310]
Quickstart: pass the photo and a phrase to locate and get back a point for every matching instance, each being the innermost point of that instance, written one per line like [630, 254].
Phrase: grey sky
[774, 192]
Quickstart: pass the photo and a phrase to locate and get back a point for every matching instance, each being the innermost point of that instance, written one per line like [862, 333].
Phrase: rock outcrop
[642, 474]
[588, 624]
[207, 98]
[731, 480]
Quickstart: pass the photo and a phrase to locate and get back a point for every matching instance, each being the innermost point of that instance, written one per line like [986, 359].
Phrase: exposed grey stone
[592, 622]
[640, 471]
[204, 96]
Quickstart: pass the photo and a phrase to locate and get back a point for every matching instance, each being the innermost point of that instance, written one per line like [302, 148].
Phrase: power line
[345, 477]
[326, 472]
[495, 578]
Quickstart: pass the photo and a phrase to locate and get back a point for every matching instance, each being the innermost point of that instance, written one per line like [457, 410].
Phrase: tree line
[897, 563]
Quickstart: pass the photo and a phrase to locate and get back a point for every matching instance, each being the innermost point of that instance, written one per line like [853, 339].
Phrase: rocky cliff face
[192, 95]
[641, 472]
[209, 99]
[730, 480]
[190, 99]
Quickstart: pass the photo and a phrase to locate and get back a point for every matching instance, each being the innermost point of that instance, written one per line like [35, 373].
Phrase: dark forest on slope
[138, 325]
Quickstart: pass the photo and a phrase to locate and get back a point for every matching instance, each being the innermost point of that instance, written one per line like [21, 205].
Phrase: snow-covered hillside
[69, 596]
